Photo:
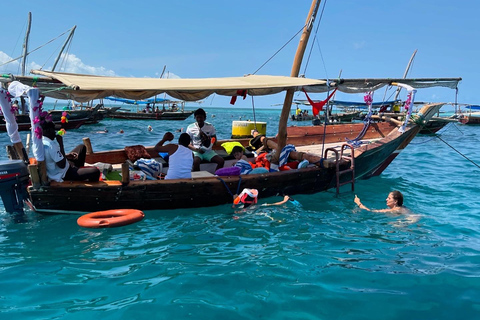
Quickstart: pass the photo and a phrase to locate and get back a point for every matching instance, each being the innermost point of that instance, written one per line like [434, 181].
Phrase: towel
[244, 166]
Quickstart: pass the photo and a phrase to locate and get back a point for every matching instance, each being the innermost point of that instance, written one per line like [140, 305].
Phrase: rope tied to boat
[228, 189]
[368, 98]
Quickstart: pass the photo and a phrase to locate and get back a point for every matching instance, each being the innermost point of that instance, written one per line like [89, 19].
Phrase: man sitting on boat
[203, 137]
[58, 168]
[180, 156]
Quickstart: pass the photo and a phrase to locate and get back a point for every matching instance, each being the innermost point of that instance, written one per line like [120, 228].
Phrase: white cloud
[11, 67]
[167, 75]
[69, 63]
[72, 64]
[359, 45]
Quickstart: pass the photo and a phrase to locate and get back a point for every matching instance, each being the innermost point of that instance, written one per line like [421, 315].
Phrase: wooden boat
[302, 117]
[150, 111]
[382, 143]
[435, 124]
[333, 162]
[76, 118]
[92, 115]
[470, 117]
[166, 115]
[24, 124]
[338, 117]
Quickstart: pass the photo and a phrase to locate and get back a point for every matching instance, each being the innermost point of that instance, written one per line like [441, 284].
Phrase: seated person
[258, 143]
[237, 153]
[180, 156]
[242, 160]
[201, 133]
[58, 168]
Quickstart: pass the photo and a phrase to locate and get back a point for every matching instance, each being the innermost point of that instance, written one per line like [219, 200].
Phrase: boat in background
[470, 117]
[149, 109]
[24, 124]
[92, 115]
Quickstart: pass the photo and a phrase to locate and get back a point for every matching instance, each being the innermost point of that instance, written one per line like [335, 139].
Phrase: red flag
[242, 93]
[318, 106]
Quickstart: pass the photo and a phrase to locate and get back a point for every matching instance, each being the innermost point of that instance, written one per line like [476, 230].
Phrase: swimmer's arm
[362, 206]
[285, 199]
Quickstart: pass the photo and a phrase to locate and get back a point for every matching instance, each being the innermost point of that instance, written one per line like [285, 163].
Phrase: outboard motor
[14, 179]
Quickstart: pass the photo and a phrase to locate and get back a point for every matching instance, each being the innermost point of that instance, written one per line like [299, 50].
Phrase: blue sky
[195, 39]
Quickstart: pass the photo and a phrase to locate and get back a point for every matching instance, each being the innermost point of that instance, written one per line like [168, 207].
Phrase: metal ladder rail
[352, 166]
[338, 173]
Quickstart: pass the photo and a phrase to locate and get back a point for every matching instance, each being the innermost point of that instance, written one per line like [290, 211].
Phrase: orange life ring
[110, 218]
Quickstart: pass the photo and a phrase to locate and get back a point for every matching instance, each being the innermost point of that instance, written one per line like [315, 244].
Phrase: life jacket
[245, 194]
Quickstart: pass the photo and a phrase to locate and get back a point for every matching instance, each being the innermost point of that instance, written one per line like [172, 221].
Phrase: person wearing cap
[203, 137]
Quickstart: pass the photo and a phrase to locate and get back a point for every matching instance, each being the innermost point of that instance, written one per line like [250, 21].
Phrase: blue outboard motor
[14, 179]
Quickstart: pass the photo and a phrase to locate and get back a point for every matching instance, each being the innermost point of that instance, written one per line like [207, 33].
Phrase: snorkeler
[247, 197]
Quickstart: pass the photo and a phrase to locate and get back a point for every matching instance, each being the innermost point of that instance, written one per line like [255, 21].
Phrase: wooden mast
[297, 62]
[25, 43]
[69, 38]
[406, 73]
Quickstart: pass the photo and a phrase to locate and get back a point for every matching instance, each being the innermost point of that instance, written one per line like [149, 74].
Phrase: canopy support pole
[297, 62]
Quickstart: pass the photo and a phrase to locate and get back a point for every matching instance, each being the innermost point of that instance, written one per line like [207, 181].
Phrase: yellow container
[243, 129]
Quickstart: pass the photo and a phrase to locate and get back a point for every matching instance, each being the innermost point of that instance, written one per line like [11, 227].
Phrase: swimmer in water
[395, 206]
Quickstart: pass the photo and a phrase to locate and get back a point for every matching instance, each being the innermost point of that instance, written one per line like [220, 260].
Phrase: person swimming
[395, 206]
[394, 203]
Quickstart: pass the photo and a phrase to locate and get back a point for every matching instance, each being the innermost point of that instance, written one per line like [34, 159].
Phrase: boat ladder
[349, 158]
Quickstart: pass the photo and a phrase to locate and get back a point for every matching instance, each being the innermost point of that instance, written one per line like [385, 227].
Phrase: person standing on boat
[203, 137]
[61, 166]
[180, 156]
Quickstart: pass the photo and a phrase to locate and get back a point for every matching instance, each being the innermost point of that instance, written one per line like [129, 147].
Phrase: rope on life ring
[110, 218]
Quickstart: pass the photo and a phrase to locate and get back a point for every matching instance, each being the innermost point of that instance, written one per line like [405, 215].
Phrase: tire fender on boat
[110, 218]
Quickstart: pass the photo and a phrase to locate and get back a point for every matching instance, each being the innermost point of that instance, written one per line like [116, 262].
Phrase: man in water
[202, 133]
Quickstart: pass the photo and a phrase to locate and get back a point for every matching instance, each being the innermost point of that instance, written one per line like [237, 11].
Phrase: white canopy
[84, 88]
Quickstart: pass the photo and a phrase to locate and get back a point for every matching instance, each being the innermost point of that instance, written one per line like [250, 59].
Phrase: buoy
[110, 218]
[243, 129]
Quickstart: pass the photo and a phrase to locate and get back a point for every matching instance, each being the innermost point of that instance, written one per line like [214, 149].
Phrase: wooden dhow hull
[370, 159]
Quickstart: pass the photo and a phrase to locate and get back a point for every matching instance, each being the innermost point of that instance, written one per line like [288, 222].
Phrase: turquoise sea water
[323, 259]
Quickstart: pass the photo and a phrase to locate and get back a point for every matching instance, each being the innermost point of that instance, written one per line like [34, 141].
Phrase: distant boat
[470, 117]
[76, 118]
[150, 110]
[93, 115]
[24, 124]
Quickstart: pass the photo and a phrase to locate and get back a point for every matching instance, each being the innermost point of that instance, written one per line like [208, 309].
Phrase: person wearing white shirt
[61, 166]
[203, 137]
